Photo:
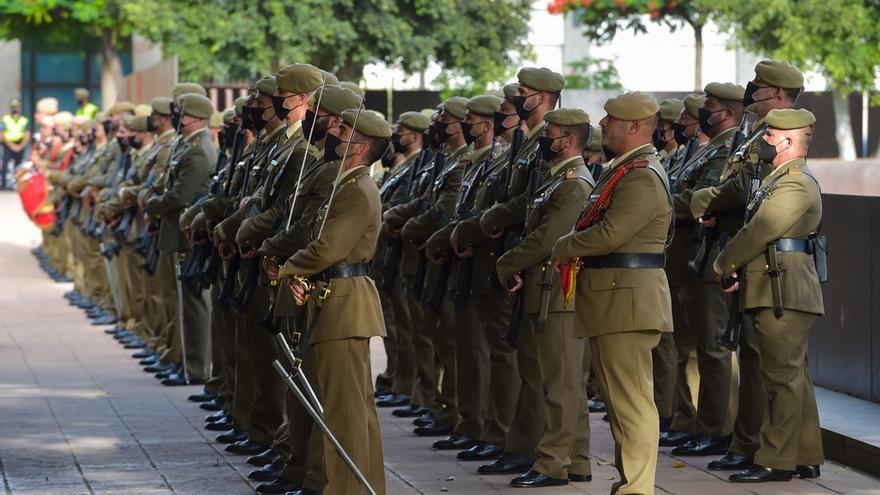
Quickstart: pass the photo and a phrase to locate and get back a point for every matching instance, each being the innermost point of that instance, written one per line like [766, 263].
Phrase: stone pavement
[78, 416]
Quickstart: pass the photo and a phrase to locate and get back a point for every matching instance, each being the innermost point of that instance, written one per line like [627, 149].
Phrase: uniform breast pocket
[612, 297]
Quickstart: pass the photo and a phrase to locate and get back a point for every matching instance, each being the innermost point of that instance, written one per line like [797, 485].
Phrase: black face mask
[519, 102]
[255, 116]
[466, 132]
[135, 143]
[123, 143]
[107, 125]
[545, 144]
[278, 103]
[705, 126]
[766, 151]
[312, 120]
[659, 136]
[397, 144]
[175, 119]
[151, 124]
[440, 132]
[609, 155]
[330, 144]
[388, 158]
[678, 131]
[428, 138]
[749, 96]
[498, 122]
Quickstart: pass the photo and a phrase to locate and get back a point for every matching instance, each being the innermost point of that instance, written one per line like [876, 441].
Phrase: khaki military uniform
[186, 180]
[350, 315]
[551, 211]
[624, 310]
[790, 433]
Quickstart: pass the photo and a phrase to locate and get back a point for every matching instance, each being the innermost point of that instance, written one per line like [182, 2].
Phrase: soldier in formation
[516, 259]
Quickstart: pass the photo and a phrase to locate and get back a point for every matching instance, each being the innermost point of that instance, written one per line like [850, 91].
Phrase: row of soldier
[512, 255]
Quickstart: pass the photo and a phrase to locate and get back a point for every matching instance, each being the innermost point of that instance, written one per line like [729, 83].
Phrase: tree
[593, 73]
[69, 22]
[839, 39]
[602, 19]
[251, 38]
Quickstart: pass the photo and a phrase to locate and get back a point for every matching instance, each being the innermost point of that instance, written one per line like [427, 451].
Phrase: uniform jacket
[550, 214]
[352, 309]
[613, 300]
[792, 209]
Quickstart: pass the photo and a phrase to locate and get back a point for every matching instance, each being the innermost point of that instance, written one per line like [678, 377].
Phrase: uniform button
[613, 284]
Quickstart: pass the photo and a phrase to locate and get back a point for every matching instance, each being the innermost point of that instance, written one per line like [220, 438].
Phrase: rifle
[391, 262]
[422, 268]
[512, 335]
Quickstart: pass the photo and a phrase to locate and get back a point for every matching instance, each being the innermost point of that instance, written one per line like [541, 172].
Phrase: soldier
[622, 294]
[337, 258]
[550, 210]
[665, 356]
[186, 181]
[85, 107]
[708, 309]
[782, 220]
[776, 85]
[691, 143]
[537, 92]
[298, 439]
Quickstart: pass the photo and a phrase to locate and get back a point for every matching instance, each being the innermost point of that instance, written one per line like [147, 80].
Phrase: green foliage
[593, 73]
[230, 39]
[603, 19]
[838, 38]
[63, 22]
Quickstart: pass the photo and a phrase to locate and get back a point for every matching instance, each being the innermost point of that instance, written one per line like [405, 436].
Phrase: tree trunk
[846, 145]
[698, 57]
[351, 71]
[111, 69]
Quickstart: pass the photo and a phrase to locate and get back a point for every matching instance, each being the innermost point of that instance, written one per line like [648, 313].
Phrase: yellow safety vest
[15, 128]
[88, 110]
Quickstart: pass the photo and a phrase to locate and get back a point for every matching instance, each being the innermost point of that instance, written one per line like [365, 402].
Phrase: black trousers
[7, 170]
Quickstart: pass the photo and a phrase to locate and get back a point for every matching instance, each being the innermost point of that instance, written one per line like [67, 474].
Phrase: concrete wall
[10, 76]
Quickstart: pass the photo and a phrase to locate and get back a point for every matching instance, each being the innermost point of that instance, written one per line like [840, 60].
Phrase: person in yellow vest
[85, 106]
[15, 135]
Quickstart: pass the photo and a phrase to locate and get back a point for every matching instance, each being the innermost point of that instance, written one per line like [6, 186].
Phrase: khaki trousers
[494, 314]
[622, 363]
[752, 394]
[344, 377]
[790, 434]
[528, 419]
[564, 447]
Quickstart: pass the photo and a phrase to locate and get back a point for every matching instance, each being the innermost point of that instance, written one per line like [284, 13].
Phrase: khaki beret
[15, 103]
[353, 87]
[725, 91]
[780, 74]
[100, 117]
[567, 117]
[81, 93]
[216, 120]
[336, 99]
[368, 123]
[298, 78]
[161, 105]
[670, 109]
[267, 85]
[510, 90]
[595, 143]
[634, 105]
[196, 105]
[485, 105]
[692, 104]
[329, 78]
[187, 87]
[63, 119]
[143, 109]
[428, 112]
[541, 79]
[416, 121]
[496, 92]
[789, 118]
[456, 106]
[47, 106]
[228, 115]
[136, 123]
[120, 107]
[239, 104]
